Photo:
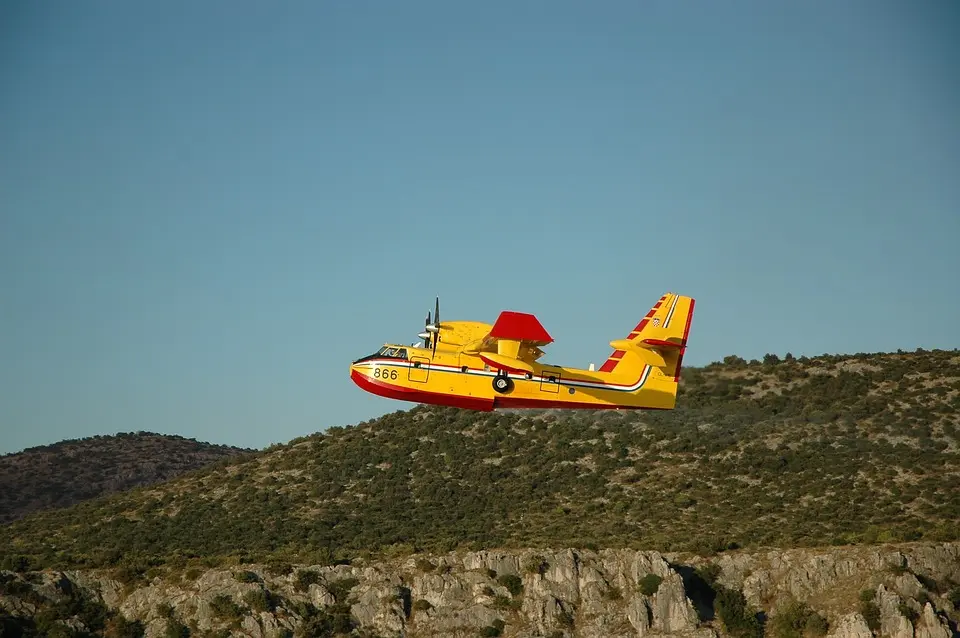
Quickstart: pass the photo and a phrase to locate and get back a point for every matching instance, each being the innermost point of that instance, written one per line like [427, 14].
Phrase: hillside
[827, 451]
[68, 472]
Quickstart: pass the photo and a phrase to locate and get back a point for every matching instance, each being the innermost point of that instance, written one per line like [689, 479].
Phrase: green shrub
[305, 578]
[494, 629]
[279, 568]
[340, 589]
[649, 584]
[224, 608]
[798, 620]
[335, 620]
[505, 603]
[422, 605]
[869, 609]
[565, 618]
[176, 629]
[738, 618]
[536, 564]
[261, 600]
[512, 582]
[908, 612]
[425, 565]
[613, 593]
[120, 627]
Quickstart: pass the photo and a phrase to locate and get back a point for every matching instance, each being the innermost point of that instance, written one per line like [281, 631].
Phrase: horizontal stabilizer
[649, 356]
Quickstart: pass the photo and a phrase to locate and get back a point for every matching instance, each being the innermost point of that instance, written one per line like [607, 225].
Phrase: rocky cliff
[897, 591]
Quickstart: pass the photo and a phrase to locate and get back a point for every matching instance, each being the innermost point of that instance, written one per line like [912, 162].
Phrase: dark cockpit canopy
[386, 352]
[392, 352]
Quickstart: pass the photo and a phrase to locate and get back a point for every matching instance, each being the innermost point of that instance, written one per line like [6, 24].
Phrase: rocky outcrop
[610, 593]
[851, 626]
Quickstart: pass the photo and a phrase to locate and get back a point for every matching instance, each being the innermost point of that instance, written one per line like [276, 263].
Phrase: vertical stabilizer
[659, 340]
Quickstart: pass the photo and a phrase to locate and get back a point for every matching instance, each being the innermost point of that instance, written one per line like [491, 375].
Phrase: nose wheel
[502, 383]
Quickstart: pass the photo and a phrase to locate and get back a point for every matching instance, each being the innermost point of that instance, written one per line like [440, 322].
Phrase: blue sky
[207, 210]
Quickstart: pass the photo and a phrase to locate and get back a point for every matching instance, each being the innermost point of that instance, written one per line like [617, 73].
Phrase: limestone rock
[851, 626]
[892, 622]
[587, 594]
[931, 625]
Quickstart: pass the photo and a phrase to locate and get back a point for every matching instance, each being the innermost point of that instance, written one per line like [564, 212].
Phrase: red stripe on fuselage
[391, 391]
[509, 402]
[474, 403]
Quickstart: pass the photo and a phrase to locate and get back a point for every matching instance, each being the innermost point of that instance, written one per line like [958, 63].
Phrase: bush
[305, 578]
[908, 612]
[261, 600]
[494, 629]
[536, 565]
[246, 577]
[649, 584]
[504, 603]
[279, 568]
[176, 629]
[333, 621]
[798, 620]
[869, 609]
[120, 627]
[565, 618]
[613, 593]
[425, 565]
[422, 605]
[737, 617]
[512, 582]
[340, 589]
[224, 608]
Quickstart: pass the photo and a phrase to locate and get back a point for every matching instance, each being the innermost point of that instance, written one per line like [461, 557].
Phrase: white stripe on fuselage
[597, 385]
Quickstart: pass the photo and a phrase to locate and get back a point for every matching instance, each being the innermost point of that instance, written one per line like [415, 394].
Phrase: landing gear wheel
[502, 383]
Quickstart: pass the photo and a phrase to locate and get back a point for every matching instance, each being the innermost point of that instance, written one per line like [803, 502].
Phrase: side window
[401, 353]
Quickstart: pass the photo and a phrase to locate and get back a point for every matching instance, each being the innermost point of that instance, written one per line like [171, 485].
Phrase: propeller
[425, 335]
[436, 326]
[432, 329]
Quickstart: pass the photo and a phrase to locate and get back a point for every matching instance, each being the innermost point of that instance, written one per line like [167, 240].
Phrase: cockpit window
[389, 352]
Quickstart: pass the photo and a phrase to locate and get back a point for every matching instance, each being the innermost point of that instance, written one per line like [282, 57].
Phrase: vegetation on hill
[68, 472]
[793, 452]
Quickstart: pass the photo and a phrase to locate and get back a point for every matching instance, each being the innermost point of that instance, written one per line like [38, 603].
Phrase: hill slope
[68, 472]
[832, 450]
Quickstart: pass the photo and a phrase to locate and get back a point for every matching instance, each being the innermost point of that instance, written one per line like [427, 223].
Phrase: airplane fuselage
[458, 379]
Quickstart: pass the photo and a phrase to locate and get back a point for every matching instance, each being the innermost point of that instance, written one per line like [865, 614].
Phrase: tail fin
[660, 339]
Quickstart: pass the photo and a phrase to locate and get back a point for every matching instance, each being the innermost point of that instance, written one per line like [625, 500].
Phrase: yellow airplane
[468, 364]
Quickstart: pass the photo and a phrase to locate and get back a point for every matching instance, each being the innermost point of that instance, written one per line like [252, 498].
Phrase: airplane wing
[514, 342]
[462, 333]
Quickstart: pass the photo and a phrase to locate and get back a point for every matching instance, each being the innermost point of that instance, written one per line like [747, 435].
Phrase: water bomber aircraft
[478, 366]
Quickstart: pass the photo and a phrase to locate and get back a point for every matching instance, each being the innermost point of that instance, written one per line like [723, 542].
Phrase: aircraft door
[550, 381]
[419, 370]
